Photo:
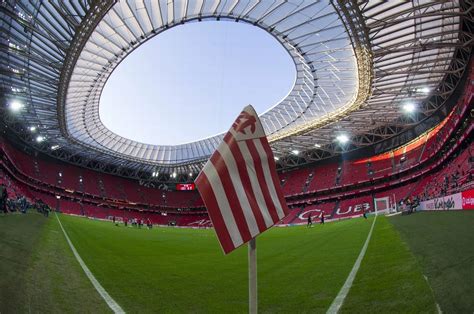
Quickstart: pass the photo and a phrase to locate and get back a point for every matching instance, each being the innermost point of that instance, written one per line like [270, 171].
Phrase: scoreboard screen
[185, 186]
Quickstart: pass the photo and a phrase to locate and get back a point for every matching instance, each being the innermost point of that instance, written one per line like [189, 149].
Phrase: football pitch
[417, 263]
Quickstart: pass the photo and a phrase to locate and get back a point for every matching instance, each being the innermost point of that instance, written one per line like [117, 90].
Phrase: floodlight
[16, 106]
[295, 152]
[32, 128]
[409, 107]
[276, 158]
[54, 147]
[424, 90]
[342, 138]
[39, 138]
[317, 145]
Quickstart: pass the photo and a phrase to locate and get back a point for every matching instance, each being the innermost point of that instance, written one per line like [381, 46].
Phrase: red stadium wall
[94, 184]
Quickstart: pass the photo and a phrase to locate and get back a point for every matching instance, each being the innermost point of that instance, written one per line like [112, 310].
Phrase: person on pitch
[3, 199]
[322, 218]
[310, 223]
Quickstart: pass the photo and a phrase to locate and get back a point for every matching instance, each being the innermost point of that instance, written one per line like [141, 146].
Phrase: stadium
[371, 147]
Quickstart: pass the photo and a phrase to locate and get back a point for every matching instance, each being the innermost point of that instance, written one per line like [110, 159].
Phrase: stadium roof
[357, 64]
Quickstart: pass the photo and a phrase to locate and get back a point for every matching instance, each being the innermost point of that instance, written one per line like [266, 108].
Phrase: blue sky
[191, 81]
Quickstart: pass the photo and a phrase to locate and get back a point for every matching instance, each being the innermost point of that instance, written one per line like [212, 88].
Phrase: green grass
[16, 247]
[184, 270]
[443, 243]
[38, 270]
[389, 279]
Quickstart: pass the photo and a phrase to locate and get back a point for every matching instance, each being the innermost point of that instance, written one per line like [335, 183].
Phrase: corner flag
[239, 184]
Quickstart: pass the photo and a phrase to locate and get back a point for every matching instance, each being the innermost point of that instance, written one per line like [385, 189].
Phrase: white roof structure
[357, 64]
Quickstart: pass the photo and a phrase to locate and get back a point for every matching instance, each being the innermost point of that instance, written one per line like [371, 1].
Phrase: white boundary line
[107, 298]
[341, 296]
[438, 308]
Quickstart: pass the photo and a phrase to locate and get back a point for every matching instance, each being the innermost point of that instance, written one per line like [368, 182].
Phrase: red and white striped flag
[239, 184]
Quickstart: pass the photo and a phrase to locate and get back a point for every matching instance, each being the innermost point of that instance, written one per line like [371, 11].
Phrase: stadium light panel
[54, 147]
[424, 90]
[40, 138]
[173, 175]
[32, 128]
[317, 145]
[342, 138]
[276, 158]
[295, 152]
[409, 107]
[190, 174]
[16, 106]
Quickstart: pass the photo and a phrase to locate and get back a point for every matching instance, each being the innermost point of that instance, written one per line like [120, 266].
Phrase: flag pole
[253, 276]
